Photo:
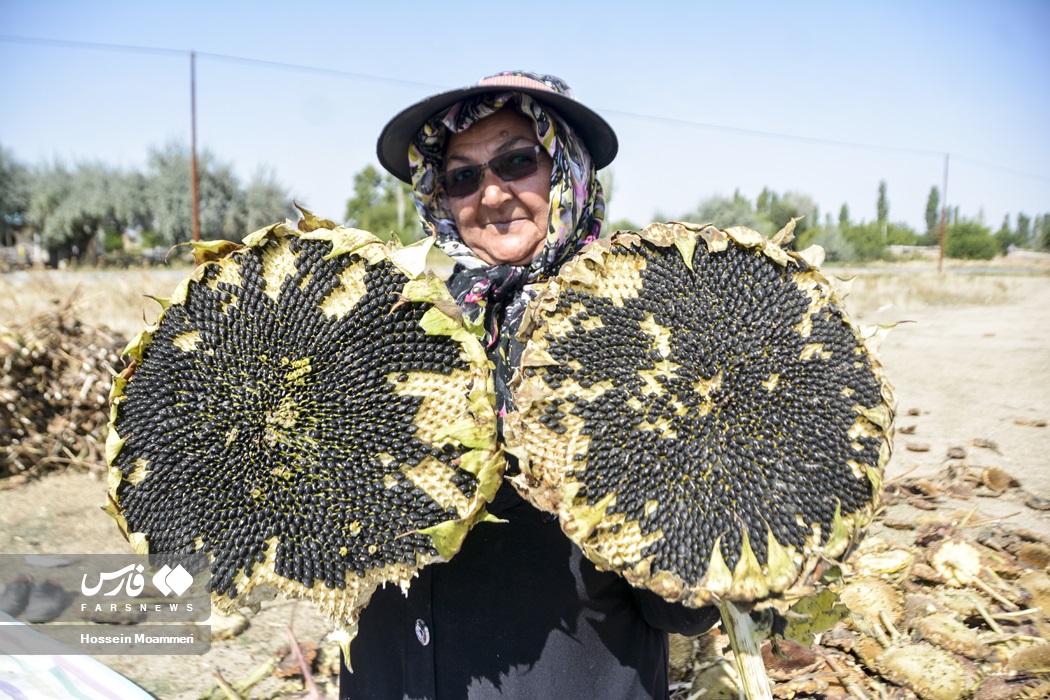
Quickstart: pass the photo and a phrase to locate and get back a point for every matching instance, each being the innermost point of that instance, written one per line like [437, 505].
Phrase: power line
[61, 43]
[334, 72]
[825, 141]
[773, 134]
[130, 48]
[321, 71]
[375, 78]
[1002, 168]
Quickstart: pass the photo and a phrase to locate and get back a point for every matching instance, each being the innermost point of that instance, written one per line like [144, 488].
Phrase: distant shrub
[867, 240]
[112, 241]
[836, 247]
[901, 234]
[971, 241]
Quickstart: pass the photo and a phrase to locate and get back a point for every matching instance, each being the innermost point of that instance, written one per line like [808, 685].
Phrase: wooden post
[193, 146]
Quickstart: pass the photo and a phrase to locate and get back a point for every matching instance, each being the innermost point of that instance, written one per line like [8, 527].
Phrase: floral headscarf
[496, 295]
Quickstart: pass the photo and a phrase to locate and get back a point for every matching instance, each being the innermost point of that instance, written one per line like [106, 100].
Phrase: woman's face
[502, 222]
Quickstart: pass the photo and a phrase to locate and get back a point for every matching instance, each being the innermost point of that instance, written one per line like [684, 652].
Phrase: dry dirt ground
[978, 374]
[962, 370]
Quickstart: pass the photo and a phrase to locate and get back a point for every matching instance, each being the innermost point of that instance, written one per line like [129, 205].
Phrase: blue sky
[696, 91]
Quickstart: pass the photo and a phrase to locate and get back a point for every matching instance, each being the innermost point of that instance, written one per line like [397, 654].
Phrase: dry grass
[119, 299]
[875, 292]
[917, 285]
[115, 299]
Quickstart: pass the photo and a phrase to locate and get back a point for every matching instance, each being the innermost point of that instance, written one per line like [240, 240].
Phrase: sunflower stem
[746, 639]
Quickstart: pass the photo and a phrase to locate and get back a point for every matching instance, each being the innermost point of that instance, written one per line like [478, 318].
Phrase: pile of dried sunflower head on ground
[54, 394]
[934, 604]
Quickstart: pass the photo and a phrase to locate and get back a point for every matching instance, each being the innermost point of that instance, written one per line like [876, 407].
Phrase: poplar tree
[882, 207]
[933, 212]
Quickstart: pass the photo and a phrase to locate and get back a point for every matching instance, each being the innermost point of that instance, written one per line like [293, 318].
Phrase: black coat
[517, 613]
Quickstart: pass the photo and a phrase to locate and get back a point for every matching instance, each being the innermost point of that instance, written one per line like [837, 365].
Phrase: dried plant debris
[949, 613]
[985, 444]
[961, 481]
[54, 390]
[1013, 686]
[1037, 503]
[289, 665]
[700, 413]
[998, 480]
[308, 411]
[930, 672]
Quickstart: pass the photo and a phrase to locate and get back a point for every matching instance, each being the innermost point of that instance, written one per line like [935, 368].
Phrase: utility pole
[944, 215]
[193, 146]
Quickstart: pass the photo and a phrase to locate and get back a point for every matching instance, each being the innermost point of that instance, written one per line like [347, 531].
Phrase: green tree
[70, 208]
[776, 211]
[830, 238]
[51, 186]
[968, 239]
[867, 240]
[900, 234]
[793, 205]
[169, 199]
[1041, 232]
[14, 195]
[1005, 237]
[383, 205]
[265, 201]
[725, 212]
[767, 201]
[1024, 229]
[933, 213]
[882, 206]
[844, 222]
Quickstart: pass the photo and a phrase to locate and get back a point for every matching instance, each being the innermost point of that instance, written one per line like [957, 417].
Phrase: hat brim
[397, 135]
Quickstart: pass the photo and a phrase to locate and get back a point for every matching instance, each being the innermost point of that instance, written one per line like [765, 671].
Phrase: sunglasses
[509, 166]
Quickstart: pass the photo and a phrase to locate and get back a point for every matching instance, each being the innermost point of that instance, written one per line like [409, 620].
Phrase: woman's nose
[494, 191]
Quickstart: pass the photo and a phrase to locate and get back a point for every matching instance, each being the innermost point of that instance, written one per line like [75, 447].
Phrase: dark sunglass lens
[516, 164]
[462, 181]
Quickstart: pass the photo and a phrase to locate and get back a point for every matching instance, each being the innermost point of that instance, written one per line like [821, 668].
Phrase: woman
[504, 177]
